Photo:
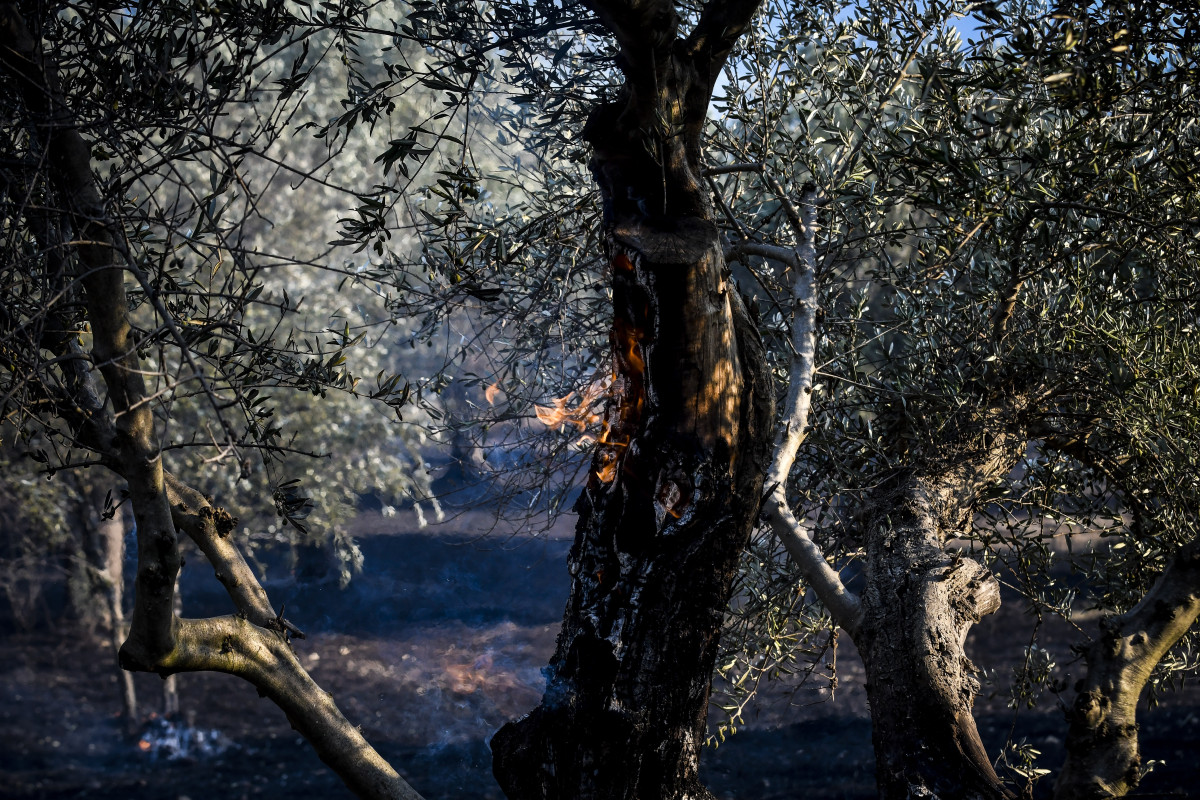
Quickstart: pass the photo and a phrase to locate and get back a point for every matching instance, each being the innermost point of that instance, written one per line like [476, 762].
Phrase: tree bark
[678, 475]
[918, 604]
[1102, 747]
[112, 535]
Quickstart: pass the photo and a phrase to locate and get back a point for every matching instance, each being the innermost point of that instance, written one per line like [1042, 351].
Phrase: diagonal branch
[211, 529]
[824, 580]
[238, 647]
[1102, 747]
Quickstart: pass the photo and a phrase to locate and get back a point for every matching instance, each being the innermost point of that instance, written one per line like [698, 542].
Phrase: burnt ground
[438, 643]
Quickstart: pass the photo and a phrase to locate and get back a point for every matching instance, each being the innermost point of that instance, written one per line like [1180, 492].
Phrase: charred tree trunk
[677, 480]
[1103, 760]
[918, 605]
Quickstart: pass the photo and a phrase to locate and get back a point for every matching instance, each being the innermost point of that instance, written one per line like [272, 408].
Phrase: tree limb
[785, 255]
[1102, 748]
[722, 23]
[238, 647]
[638, 24]
[824, 580]
[211, 528]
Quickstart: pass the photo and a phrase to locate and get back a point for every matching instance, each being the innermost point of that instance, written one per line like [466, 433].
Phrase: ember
[178, 741]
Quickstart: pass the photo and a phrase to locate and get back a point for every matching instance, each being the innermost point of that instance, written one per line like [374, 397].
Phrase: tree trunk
[1102, 748]
[112, 537]
[678, 474]
[918, 604]
[103, 605]
[170, 686]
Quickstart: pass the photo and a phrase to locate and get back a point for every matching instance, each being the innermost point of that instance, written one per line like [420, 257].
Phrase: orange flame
[491, 392]
[143, 745]
[581, 415]
[622, 395]
[628, 395]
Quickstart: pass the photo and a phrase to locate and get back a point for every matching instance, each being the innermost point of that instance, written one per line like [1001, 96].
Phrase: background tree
[167, 197]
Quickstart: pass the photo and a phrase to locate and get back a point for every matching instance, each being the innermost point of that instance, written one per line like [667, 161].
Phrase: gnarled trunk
[677, 481]
[1103, 760]
[918, 605]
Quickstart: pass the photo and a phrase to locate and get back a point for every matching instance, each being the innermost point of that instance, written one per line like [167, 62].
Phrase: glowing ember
[180, 741]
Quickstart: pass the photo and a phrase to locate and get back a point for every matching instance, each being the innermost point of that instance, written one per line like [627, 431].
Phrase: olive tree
[962, 270]
[969, 263]
[145, 321]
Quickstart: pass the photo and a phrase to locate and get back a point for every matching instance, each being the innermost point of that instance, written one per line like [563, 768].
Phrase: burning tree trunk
[678, 473]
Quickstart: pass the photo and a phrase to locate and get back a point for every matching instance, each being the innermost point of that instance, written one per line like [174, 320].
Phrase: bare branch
[211, 529]
[238, 647]
[841, 602]
[785, 255]
[728, 168]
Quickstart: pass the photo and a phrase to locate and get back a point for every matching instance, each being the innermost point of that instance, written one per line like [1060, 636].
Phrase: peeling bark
[675, 489]
[1103, 759]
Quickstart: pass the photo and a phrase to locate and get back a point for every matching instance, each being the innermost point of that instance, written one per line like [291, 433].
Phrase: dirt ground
[439, 642]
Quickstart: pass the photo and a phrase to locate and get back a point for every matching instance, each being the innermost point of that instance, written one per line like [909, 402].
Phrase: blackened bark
[677, 481]
[918, 605]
